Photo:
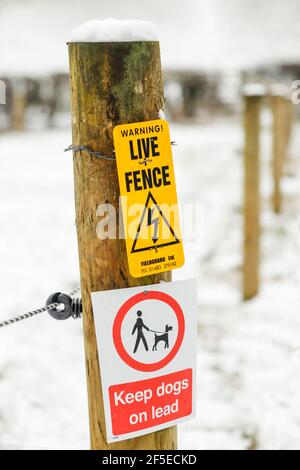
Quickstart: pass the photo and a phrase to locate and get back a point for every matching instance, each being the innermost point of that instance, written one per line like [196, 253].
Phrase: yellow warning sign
[149, 200]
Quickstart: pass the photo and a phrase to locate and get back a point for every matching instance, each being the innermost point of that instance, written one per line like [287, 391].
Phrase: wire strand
[33, 313]
[27, 315]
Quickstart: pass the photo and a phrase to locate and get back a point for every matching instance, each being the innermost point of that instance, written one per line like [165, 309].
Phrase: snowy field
[249, 353]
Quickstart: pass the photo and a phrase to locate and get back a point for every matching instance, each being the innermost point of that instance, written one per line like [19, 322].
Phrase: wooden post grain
[111, 83]
[279, 147]
[252, 104]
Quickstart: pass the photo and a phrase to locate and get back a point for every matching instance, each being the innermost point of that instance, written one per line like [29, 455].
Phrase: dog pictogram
[162, 337]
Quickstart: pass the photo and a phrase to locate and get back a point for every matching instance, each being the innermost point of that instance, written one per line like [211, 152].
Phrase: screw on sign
[147, 349]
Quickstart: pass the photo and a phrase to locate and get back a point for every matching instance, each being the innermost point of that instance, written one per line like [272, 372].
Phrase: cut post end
[111, 30]
[254, 90]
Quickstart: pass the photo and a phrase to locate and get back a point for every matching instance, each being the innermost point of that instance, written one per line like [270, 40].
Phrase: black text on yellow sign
[149, 199]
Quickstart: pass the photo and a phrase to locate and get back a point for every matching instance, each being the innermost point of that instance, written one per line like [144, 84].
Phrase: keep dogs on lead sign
[146, 340]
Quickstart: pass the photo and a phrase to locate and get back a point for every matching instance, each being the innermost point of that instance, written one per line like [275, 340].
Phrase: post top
[280, 89]
[111, 30]
[254, 89]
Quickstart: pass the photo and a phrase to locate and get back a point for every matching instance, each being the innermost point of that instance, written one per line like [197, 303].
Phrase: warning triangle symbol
[154, 230]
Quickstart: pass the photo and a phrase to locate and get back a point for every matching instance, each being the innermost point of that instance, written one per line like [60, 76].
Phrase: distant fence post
[111, 83]
[289, 110]
[289, 117]
[252, 105]
[281, 130]
[18, 110]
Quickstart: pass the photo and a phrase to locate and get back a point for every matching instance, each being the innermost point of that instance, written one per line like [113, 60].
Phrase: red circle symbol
[142, 296]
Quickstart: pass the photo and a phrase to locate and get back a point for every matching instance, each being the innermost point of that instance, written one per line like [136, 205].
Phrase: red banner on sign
[152, 402]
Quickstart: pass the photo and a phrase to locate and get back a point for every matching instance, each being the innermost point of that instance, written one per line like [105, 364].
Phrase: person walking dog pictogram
[139, 325]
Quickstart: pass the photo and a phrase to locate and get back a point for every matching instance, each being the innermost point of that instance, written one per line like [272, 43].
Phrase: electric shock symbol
[155, 222]
[153, 216]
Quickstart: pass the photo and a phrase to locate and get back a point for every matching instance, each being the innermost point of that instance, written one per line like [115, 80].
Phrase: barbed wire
[81, 148]
[85, 148]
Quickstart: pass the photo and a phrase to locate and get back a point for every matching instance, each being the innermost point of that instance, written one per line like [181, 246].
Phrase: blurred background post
[252, 105]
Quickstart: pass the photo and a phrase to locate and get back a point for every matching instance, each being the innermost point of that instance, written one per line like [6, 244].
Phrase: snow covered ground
[249, 353]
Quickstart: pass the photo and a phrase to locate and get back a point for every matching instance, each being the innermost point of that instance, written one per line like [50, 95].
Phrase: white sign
[147, 350]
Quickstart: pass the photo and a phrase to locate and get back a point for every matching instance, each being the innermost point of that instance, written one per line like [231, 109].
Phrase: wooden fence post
[290, 116]
[18, 109]
[111, 83]
[289, 120]
[279, 147]
[252, 104]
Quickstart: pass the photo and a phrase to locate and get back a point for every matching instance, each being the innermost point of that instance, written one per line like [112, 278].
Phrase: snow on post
[254, 89]
[111, 30]
[115, 78]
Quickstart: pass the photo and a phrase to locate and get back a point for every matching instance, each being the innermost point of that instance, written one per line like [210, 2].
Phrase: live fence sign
[149, 200]
[146, 340]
